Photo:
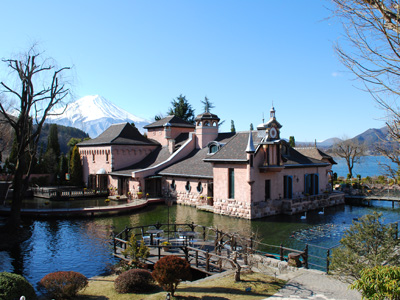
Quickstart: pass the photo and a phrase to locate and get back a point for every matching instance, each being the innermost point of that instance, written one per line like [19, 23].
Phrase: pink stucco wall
[206, 134]
[111, 158]
[188, 147]
[158, 134]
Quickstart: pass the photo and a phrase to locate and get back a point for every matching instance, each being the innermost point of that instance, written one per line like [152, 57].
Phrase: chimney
[171, 145]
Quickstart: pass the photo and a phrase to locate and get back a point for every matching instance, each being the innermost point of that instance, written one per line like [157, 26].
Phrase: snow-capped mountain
[94, 114]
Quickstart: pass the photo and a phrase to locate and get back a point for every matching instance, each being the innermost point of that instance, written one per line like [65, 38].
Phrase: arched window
[206, 123]
[213, 149]
[199, 188]
[173, 185]
[187, 186]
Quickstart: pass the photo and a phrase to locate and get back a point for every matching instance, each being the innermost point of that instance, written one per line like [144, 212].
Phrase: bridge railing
[311, 256]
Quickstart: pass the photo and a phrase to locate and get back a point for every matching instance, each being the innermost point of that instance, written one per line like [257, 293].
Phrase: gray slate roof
[173, 120]
[194, 165]
[191, 166]
[156, 157]
[235, 149]
[315, 153]
[297, 159]
[119, 134]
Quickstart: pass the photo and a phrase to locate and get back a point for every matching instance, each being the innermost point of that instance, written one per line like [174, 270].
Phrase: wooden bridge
[207, 249]
[362, 199]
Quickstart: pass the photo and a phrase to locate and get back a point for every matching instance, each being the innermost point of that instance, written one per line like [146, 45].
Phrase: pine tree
[233, 129]
[63, 168]
[292, 142]
[367, 243]
[76, 167]
[52, 140]
[181, 108]
[207, 104]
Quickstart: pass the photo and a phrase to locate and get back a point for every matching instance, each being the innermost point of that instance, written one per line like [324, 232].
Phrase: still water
[368, 166]
[83, 245]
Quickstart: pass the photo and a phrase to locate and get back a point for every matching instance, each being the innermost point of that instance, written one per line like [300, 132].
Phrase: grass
[224, 287]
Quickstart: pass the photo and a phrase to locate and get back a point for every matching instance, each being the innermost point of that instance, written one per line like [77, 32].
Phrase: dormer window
[213, 149]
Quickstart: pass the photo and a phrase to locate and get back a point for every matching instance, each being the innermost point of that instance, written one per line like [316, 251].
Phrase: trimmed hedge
[134, 281]
[63, 284]
[13, 286]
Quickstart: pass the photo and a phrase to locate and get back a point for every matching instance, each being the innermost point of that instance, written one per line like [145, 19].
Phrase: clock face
[273, 132]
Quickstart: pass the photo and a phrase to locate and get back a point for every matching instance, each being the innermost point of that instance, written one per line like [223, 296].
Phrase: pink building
[244, 174]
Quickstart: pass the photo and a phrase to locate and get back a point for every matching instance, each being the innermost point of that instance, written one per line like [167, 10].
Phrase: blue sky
[242, 55]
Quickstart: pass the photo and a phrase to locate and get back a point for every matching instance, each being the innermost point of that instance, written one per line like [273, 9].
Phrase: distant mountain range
[94, 114]
[370, 137]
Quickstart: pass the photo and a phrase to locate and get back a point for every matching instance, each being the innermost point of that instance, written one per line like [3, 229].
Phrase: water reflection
[83, 245]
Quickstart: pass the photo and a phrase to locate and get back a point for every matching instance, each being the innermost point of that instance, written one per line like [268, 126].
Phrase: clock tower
[270, 131]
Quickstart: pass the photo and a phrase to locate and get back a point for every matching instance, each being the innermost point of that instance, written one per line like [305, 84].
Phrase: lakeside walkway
[306, 284]
[84, 211]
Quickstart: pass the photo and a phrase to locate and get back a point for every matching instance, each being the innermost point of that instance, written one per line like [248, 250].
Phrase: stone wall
[233, 208]
[295, 206]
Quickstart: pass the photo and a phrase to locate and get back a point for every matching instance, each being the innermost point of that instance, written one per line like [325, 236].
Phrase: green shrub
[63, 284]
[13, 286]
[367, 243]
[134, 281]
[380, 282]
[169, 271]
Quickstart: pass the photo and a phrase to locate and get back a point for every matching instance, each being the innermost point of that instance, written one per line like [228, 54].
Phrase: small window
[187, 186]
[107, 157]
[231, 183]
[93, 157]
[267, 189]
[173, 185]
[206, 123]
[199, 188]
[213, 149]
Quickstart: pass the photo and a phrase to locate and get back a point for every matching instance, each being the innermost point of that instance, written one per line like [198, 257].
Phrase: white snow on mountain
[94, 114]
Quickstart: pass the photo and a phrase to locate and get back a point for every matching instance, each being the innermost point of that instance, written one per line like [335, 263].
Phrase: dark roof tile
[118, 134]
[173, 120]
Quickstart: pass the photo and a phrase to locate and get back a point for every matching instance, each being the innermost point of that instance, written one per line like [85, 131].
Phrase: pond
[83, 245]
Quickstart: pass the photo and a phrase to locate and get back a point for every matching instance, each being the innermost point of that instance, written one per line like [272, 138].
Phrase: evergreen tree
[49, 162]
[63, 167]
[182, 109]
[367, 243]
[52, 140]
[233, 129]
[292, 142]
[251, 126]
[76, 167]
[207, 104]
[71, 144]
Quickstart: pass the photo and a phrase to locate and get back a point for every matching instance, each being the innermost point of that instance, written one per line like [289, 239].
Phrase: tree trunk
[19, 188]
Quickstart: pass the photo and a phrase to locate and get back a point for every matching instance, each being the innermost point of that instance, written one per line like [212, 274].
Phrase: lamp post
[168, 201]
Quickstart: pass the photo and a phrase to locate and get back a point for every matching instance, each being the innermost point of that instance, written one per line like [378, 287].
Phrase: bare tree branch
[34, 107]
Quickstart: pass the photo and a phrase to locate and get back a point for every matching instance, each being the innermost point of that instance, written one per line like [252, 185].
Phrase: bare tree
[371, 51]
[32, 107]
[351, 150]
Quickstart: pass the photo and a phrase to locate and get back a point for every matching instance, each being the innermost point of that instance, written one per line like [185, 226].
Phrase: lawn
[252, 286]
